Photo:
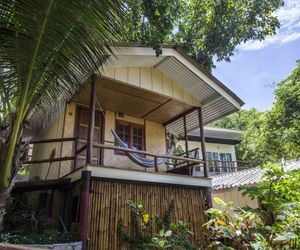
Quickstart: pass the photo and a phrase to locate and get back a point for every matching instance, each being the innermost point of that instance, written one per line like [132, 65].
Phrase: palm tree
[46, 47]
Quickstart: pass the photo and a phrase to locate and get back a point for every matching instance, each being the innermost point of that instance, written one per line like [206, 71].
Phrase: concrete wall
[151, 79]
[234, 195]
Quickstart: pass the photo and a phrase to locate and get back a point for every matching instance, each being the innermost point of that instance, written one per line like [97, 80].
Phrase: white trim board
[139, 176]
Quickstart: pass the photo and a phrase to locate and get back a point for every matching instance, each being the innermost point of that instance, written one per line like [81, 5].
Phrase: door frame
[102, 131]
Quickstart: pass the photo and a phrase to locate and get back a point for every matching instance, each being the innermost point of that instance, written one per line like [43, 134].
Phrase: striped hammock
[140, 160]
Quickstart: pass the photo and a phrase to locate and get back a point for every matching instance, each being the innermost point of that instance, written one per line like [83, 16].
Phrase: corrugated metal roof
[216, 99]
[214, 110]
[246, 177]
[221, 133]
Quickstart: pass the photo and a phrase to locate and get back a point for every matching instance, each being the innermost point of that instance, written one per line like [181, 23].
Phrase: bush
[175, 236]
[275, 225]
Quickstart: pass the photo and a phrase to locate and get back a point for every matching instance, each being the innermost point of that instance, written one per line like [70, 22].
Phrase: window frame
[131, 127]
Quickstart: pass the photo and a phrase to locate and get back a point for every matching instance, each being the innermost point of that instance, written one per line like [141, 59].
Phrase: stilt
[84, 208]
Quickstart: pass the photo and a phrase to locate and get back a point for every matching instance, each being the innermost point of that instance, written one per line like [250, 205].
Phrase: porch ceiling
[119, 97]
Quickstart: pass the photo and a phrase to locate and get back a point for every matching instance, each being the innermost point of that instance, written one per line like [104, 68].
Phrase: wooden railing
[187, 161]
[174, 166]
[58, 159]
[171, 160]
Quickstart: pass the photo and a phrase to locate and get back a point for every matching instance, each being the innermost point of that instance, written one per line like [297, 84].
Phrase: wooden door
[82, 131]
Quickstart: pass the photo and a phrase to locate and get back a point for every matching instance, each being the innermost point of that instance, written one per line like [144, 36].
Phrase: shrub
[274, 225]
[168, 235]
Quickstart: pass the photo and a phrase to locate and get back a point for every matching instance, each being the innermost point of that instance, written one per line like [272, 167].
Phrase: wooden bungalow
[143, 98]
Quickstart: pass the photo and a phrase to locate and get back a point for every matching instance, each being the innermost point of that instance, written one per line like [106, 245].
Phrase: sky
[256, 65]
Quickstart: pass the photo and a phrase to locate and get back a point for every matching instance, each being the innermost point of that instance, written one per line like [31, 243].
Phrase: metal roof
[214, 97]
[246, 177]
[219, 133]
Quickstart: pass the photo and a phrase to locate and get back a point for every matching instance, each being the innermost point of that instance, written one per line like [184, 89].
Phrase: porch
[141, 118]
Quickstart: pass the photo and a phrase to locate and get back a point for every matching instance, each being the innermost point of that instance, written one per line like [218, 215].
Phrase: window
[219, 162]
[133, 135]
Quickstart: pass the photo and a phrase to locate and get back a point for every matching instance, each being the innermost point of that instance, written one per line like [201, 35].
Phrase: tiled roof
[246, 177]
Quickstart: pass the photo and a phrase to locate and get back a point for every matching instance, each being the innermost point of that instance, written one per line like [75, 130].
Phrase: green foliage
[155, 233]
[205, 29]
[274, 134]
[47, 48]
[231, 229]
[49, 237]
[274, 225]
[280, 189]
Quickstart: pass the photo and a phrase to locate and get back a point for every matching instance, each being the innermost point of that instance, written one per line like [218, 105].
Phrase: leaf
[220, 202]
[286, 237]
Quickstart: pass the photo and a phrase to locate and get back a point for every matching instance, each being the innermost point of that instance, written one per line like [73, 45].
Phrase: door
[81, 133]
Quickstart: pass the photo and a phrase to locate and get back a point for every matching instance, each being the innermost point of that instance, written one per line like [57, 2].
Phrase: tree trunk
[19, 149]
[4, 197]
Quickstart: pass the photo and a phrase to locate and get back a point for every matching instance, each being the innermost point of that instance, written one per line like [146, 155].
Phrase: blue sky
[257, 65]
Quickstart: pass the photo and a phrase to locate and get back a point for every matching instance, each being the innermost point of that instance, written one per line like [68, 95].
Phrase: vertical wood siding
[108, 205]
[151, 79]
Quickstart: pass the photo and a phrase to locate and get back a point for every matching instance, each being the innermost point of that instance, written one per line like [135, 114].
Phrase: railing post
[202, 136]
[91, 125]
[84, 208]
[186, 137]
[75, 154]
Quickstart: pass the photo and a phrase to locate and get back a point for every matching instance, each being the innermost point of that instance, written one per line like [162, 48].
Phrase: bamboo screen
[108, 205]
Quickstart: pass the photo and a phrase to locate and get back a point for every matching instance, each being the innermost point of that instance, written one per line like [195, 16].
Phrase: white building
[220, 149]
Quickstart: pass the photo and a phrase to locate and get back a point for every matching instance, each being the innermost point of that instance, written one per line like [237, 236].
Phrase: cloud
[289, 17]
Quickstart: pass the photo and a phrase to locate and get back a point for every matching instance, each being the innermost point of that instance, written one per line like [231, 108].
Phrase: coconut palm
[46, 49]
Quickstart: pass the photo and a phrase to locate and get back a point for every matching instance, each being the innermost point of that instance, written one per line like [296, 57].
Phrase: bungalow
[109, 142]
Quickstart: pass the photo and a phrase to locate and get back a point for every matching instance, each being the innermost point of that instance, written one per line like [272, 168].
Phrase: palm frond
[73, 41]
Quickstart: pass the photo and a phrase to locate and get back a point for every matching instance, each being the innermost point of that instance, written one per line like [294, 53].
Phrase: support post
[186, 137]
[202, 141]
[208, 198]
[156, 164]
[91, 125]
[84, 208]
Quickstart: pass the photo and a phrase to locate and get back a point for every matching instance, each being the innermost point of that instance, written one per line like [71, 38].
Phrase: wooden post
[84, 208]
[91, 125]
[202, 140]
[186, 137]
[208, 198]
[156, 164]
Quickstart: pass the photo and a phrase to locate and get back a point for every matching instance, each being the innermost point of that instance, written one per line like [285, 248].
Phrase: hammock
[136, 158]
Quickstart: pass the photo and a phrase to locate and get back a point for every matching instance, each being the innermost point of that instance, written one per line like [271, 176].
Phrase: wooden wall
[151, 79]
[108, 205]
[43, 151]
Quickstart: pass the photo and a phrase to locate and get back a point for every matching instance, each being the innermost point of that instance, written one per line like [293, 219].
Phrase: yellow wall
[43, 151]
[234, 195]
[153, 80]
[155, 140]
